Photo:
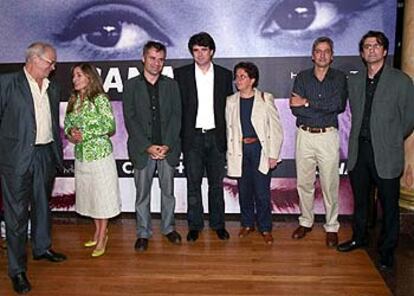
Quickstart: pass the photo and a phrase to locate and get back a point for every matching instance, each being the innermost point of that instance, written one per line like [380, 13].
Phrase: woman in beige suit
[254, 139]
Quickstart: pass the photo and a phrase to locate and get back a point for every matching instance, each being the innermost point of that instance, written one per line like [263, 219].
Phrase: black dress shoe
[222, 234]
[349, 246]
[20, 283]
[51, 256]
[174, 237]
[192, 236]
[386, 262]
[141, 244]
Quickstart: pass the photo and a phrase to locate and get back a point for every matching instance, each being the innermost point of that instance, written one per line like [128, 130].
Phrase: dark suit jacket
[392, 119]
[18, 124]
[138, 121]
[223, 87]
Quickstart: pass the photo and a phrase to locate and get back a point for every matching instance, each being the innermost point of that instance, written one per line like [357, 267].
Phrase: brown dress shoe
[244, 231]
[301, 232]
[331, 239]
[267, 237]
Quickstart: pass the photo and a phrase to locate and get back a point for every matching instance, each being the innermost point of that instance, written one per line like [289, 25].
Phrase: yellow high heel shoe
[100, 252]
[90, 243]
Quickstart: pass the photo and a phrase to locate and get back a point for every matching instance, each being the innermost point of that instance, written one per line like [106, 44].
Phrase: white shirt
[41, 104]
[205, 94]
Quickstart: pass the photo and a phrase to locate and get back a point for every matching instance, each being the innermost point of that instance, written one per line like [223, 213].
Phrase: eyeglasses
[241, 77]
[49, 61]
[372, 46]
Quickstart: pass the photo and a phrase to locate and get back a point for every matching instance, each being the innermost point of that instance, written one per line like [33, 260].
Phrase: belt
[249, 140]
[204, 131]
[316, 130]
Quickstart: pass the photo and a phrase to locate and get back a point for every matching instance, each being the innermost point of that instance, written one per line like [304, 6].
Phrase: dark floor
[400, 279]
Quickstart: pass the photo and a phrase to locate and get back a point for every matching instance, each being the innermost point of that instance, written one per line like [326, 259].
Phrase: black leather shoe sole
[192, 236]
[51, 256]
[141, 244]
[386, 262]
[222, 234]
[349, 246]
[20, 283]
[174, 237]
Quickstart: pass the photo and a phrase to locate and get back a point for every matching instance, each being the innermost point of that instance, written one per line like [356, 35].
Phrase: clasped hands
[75, 135]
[158, 152]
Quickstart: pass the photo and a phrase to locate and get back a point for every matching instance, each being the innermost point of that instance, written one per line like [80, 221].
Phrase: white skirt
[97, 188]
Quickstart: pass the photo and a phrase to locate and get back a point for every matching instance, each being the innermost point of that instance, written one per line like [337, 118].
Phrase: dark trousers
[362, 178]
[254, 190]
[19, 192]
[204, 155]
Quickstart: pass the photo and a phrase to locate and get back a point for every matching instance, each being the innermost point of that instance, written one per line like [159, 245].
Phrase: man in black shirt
[382, 106]
[152, 111]
[319, 95]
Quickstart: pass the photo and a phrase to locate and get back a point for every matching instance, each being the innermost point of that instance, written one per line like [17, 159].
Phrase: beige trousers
[318, 150]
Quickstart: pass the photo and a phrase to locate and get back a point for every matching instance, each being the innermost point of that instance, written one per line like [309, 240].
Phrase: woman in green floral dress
[89, 123]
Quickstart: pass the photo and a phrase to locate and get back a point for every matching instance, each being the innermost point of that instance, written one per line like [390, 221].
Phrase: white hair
[37, 49]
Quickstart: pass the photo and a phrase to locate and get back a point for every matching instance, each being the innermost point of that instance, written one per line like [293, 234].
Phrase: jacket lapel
[382, 85]
[257, 109]
[193, 86]
[26, 92]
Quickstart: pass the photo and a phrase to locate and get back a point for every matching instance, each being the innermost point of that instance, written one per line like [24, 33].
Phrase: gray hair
[37, 49]
[323, 39]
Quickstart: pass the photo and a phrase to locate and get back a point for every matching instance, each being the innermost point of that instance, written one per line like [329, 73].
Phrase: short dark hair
[381, 39]
[323, 39]
[154, 44]
[201, 39]
[251, 70]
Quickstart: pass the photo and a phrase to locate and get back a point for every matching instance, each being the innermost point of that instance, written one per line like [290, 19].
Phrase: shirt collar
[209, 71]
[377, 75]
[328, 74]
[45, 81]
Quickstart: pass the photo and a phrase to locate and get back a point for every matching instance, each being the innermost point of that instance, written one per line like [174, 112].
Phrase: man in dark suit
[204, 88]
[152, 111]
[30, 153]
[382, 106]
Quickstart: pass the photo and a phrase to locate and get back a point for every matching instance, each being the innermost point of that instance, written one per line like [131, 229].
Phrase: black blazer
[137, 115]
[223, 87]
[18, 123]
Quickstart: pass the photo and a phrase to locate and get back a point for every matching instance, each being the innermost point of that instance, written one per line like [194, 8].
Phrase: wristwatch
[306, 104]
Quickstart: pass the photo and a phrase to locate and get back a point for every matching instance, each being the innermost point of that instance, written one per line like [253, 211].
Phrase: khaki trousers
[318, 150]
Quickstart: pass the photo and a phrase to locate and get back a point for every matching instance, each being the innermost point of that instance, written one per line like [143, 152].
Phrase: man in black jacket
[204, 88]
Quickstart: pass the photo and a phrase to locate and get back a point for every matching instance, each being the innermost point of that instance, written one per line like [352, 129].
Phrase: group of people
[381, 100]
[198, 114]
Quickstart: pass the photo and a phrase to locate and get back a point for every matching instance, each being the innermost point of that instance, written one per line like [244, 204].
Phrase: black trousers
[19, 192]
[362, 178]
[204, 155]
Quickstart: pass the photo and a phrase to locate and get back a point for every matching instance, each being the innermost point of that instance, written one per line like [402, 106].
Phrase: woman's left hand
[272, 163]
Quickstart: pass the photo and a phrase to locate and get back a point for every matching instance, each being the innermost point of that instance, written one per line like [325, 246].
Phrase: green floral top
[97, 123]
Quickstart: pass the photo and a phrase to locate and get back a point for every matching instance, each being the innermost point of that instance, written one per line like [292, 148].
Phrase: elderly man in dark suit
[204, 88]
[382, 106]
[152, 111]
[30, 153]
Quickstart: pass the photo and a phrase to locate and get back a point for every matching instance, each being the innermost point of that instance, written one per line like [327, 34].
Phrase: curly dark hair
[201, 39]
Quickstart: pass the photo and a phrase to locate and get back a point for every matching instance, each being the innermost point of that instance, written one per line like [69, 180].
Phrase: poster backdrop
[276, 35]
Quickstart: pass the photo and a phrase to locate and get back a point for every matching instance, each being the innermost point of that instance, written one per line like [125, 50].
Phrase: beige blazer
[266, 123]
